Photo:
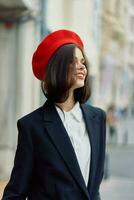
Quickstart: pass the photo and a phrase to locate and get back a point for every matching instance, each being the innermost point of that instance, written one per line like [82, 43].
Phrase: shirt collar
[75, 112]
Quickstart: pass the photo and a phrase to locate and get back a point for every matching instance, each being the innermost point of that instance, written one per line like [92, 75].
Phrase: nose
[80, 66]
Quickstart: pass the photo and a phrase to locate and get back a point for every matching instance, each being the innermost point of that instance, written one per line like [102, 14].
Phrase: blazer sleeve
[102, 155]
[21, 174]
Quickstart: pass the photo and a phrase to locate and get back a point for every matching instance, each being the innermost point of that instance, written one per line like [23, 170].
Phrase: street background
[107, 29]
[120, 183]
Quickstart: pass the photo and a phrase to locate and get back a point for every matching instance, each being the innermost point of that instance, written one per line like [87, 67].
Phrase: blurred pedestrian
[61, 145]
[111, 122]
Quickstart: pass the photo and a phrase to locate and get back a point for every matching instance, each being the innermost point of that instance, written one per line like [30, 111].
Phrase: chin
[79, 84]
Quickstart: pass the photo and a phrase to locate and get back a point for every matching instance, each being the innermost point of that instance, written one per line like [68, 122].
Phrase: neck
[68, 104]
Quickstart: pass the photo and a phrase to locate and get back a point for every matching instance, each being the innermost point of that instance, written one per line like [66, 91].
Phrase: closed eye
[81, 60]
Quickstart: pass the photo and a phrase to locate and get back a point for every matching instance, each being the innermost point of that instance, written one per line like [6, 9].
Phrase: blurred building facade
[126, 125]
[129, 53]
[116, 65]
[112, 53]
[19, 32]
[116, 56]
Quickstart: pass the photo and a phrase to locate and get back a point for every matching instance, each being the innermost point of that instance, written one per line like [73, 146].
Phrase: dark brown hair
[57, 77]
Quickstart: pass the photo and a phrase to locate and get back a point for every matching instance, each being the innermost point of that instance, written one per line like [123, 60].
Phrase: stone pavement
[117, 188]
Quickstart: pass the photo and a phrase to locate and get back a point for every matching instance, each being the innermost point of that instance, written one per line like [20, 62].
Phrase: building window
[132, 24]
[131, 68]
[131, 48]
[117, 7]
[132, 2]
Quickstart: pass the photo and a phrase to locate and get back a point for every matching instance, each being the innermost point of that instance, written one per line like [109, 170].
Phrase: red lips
[80, 75]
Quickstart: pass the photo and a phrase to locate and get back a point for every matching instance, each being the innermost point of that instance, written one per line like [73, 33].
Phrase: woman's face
[79, 73]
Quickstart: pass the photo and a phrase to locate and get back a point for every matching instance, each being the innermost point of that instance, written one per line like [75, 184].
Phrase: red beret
[48, 46]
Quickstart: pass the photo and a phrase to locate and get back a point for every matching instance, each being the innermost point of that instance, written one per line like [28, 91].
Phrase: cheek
[71, 78]
[85, 71]
[72, 72]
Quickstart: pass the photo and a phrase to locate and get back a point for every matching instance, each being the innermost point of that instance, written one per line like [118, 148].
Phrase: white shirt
[76, 129]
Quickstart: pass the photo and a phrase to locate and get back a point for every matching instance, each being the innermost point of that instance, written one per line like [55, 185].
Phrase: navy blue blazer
[45, 165]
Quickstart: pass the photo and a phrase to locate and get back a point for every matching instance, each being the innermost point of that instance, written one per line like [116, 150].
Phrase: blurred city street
[120, 184]
[117, 188]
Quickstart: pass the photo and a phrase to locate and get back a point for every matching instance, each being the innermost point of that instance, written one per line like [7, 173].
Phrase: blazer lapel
[92, 124]
[61, 140]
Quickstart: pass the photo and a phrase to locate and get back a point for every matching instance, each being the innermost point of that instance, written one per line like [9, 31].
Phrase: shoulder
[94, 111]
[33, 117]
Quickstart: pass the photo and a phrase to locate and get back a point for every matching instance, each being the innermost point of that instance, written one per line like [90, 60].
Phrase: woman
[61, 145]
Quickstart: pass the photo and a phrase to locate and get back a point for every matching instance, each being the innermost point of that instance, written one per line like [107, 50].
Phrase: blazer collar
[92, 121]
[61, 140]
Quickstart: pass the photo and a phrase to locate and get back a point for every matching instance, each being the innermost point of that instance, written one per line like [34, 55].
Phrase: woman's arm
[18, 184]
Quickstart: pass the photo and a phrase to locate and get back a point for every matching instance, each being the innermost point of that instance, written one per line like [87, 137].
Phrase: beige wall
[19, 91]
